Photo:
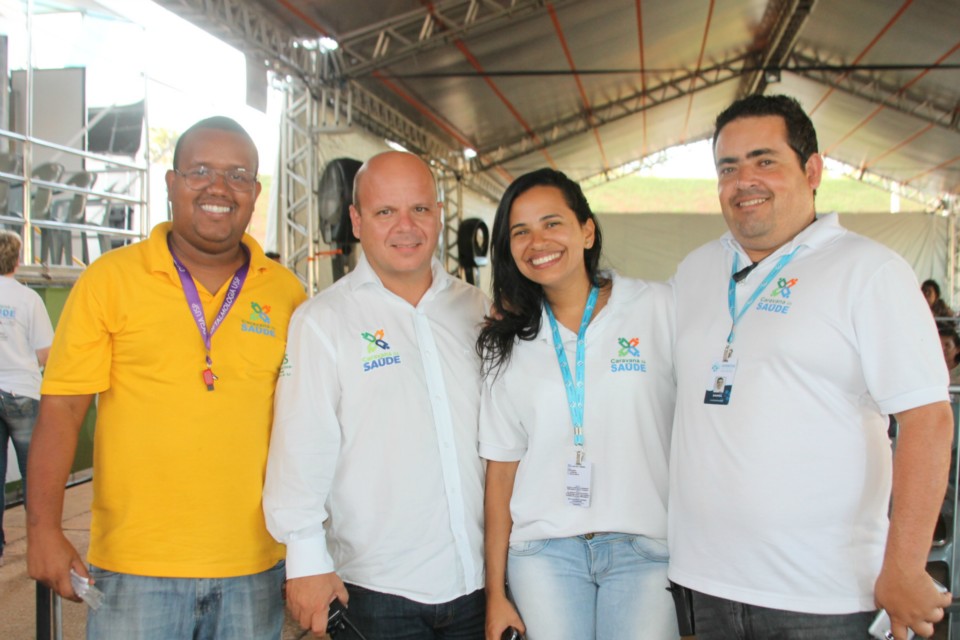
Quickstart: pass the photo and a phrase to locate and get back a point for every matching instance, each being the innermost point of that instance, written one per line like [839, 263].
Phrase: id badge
[720, 382]
[578, 483]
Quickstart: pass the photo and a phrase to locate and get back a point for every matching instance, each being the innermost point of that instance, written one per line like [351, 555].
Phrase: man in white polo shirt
[373, 477]
[780, 484]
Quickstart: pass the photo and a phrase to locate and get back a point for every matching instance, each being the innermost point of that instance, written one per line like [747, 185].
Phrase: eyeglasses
[202, 177]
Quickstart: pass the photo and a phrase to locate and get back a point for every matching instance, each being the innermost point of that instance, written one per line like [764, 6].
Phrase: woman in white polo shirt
[575, 424]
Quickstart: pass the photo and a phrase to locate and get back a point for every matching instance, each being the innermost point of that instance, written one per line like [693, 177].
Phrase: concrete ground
[18, 592]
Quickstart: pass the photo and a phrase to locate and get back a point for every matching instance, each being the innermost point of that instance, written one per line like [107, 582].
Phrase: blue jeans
[143, 608]
[381, 616]
[608, 586]
[17, 415]
[720, 619]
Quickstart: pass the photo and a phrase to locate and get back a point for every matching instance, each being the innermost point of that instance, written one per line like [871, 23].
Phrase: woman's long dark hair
[517, 301]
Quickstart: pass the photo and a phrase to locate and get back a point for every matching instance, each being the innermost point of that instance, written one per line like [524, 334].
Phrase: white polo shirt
[780, 498]
[24, 329]
[628, 412]
[373, 469]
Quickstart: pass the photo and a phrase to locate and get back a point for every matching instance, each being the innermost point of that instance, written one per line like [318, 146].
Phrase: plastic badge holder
[86, 591]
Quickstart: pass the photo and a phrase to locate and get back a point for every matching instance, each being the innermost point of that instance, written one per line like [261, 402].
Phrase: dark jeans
[380, 616]
[719, 619]
[17, 415]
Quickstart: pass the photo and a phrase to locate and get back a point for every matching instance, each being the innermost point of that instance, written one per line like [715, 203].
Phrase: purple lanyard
[196, 308]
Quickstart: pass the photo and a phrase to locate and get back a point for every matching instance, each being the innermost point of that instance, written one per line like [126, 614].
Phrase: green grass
[682, 195]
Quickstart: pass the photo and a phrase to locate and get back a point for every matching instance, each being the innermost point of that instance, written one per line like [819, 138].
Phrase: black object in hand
[336, 617]
[510, 634]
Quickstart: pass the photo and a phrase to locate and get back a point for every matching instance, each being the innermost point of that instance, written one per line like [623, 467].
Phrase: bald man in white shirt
[373, 479]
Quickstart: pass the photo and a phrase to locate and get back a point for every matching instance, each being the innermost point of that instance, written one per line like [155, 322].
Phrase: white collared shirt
[780, 498]
[628, 415]
[373, 469]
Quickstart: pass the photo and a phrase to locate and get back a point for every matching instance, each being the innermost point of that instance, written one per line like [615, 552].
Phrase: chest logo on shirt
[258, 321]
[379, 353]
[628, 356]
[8, 313]
[779, 299]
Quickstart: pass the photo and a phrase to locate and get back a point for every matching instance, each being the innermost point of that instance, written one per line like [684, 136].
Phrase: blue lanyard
[575, 391]
[732, 293]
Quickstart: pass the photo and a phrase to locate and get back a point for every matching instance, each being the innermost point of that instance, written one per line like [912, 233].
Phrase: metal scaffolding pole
[451, 194]
[297, 212]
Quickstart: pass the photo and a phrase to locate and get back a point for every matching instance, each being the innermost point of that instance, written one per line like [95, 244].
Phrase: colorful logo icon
[375, 340]
[260, 313]
[783, 287]
[629, 347]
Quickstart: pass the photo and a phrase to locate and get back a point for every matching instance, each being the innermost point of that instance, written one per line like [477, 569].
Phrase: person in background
[939, 308]
[374, 482]
[950, 342]
[781, 521]
[25, 337]
[182, 336]
[575, 424]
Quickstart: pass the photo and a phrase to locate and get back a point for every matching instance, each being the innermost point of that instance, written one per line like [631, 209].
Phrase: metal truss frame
[248, 27]
[253, 30]
[624, 170]
[870, 86]
[389, 41]
[304, 118]
[677, 86]
[781, 25]
[451, 193]
[298, 210]
[953, 267]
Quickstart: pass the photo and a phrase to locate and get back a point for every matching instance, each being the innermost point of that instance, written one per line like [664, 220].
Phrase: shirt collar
[617, 296]
[364, 275]
[824, 230]
[160, 260]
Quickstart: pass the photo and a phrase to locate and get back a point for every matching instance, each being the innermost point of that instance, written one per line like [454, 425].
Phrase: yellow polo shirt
[178, 469]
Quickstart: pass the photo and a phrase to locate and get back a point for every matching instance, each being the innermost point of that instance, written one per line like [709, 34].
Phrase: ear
[169, 177]
[589, 233]
[814, 170]
[258, 190]
[355, 221]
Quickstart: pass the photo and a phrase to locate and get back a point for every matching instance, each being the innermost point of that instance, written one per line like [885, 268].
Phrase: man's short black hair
[221, 123]
[801, 136]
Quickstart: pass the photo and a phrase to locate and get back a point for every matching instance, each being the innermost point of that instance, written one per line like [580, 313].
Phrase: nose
[219, 182]
[404, 218]
[745, 177]
[536, 237]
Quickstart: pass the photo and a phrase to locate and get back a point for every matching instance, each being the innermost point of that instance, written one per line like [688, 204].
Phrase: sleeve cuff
[499, 454]
[914, 399]
[308, 557]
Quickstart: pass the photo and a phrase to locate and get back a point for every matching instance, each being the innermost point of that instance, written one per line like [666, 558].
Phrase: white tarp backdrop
[651, 245]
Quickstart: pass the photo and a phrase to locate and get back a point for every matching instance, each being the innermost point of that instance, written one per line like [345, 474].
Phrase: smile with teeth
[215, 208]
[751, 203]
[544, 259]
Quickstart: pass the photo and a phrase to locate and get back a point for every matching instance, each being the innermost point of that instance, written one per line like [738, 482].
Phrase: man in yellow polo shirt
[182, 336]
